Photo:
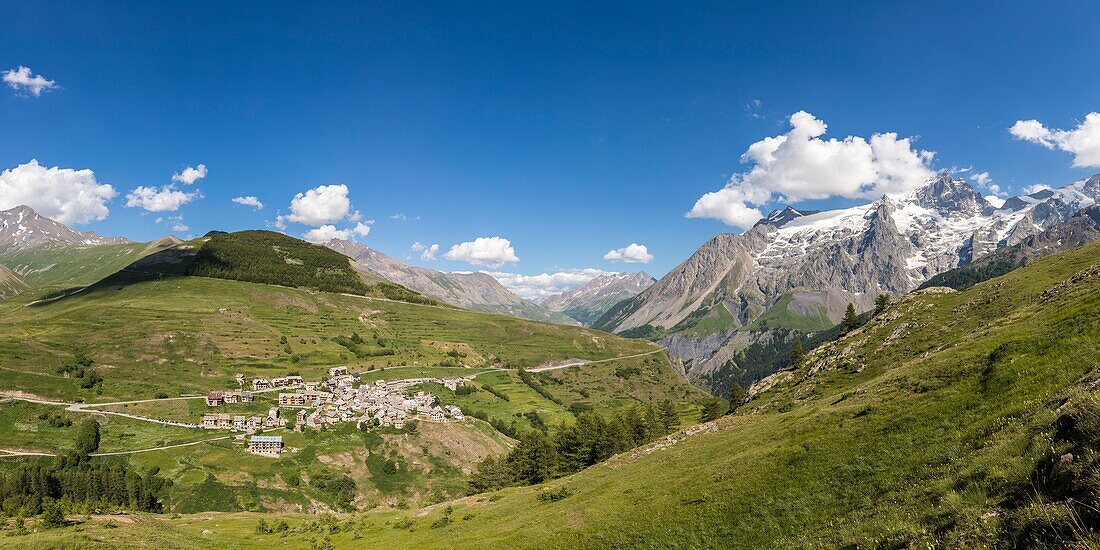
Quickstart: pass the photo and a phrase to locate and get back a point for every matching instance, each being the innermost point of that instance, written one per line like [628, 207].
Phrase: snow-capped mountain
[476, 291]
[589, 302]
[21, 227]
[799, 270]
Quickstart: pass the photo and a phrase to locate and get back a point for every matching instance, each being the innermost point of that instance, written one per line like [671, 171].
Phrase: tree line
[592, 439]
[74, 482]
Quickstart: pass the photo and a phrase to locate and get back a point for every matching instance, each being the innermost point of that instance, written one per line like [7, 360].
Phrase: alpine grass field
[888, 437]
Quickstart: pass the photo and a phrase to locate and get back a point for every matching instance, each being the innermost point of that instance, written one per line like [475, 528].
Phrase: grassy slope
[914, 429]
[181, 335]
[72, 266]
[190, 334]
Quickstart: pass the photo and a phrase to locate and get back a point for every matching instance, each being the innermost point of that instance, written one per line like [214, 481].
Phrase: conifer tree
[881, 303]
[851, 321]
[798, 352]
[737, 396]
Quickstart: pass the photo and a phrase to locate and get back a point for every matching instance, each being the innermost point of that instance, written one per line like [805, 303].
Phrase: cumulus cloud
[1083, 142]
[62, 194]
[328, 232]
[1035, 188]
[984, 181]
[429, 253]
[23, 81]
[633, 253]
[190, 174]
[249, 200]
[324, 204]
[160, 199]
[800, 165]
[539, 287]
[488, 251]
[417, 246]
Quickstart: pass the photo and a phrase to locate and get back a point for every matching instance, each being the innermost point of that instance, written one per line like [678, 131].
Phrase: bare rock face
[589, 302]
[21, 228]
[476, 291]
[798, 270]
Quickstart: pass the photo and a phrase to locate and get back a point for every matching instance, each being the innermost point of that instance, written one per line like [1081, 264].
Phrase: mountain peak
[589, 302]
[952, 196]
[779, 218]
[21, 227]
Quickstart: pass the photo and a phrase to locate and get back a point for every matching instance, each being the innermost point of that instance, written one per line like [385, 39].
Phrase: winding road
[94, 408]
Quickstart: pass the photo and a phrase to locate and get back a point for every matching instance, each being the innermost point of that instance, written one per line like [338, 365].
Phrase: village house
[214, 398]
[273, 419]
[210, 421]
[266, 445]
[455, 412]
[337, 371]
[286, 381]
[223, 421]
[453, 383]
[292, 400]
[239, 378]
[260, 384]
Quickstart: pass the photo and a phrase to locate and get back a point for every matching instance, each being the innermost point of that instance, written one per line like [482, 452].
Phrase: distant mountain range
[476, 291]
[587, 303]
[797, 271]
[21, 228]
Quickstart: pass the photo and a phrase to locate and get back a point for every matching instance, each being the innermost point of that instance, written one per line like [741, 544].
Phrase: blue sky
[566, 128]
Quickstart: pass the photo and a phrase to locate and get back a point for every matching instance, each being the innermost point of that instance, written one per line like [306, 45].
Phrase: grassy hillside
[264, 257]
[75, 266]
[152, 331]
[955, 419]
[191, 334]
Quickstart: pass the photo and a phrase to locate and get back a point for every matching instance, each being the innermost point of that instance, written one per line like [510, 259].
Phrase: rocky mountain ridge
[798, 270]
[476, 291]
[21, 228]
[587, 303]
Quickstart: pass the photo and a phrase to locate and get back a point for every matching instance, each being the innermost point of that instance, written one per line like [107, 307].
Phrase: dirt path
[582, 362]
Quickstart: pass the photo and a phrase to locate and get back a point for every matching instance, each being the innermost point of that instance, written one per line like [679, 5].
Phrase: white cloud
[982, 179]
[985, 181]
[328, 232]
[1083, 142]
[537, 287]
[633, 253]
[321, 205]
[488, 251]
[176, 222]
[799, 165]
[163, 199]
[249, 201]
[62, 194]
[429, 253]
[417, 246]
[1035, 188]
[23, 80]
[190, 174]
[400, 216]
[753, 108]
